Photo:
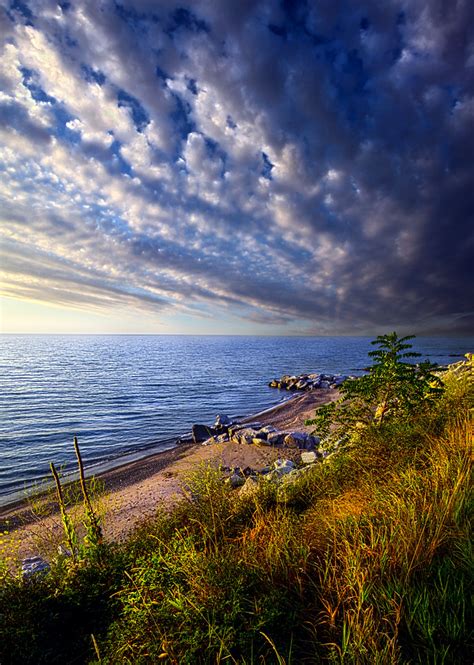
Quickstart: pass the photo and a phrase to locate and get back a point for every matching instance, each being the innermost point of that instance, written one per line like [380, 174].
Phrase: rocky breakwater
[224, 430]
[299, 452]
[305, 382]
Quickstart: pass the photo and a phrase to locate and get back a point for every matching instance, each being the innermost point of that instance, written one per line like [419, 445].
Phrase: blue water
[129, 394]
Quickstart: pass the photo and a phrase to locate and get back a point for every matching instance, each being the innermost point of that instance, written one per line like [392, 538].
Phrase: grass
[364, 559]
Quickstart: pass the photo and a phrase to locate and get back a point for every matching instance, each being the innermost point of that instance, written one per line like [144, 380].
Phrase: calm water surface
[136, 394]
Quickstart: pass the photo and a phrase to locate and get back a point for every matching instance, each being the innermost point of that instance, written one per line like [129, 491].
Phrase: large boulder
[312, 442]
[295, 440]
[245, 435]
[276, 438]
[202, 432]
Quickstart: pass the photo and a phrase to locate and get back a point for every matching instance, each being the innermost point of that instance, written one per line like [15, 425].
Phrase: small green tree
[392, 388]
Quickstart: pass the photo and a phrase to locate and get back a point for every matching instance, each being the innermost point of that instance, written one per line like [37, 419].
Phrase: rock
[220, 438]
[257, 441]
[309, 457]
[237, 427]
[222, 421]
[295, 440]
[236, 480]
[268, 429]
[245, 435]
[202, 433]
[310, 381]
[250, 487]
[283, 466]
[312, 442]
[275, 438]
[34, 565]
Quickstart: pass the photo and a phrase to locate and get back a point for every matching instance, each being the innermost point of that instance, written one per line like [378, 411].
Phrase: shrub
[392, 390]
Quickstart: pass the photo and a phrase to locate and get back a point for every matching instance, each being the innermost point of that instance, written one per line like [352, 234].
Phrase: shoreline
[134, 490]
[111, 470]
[109, 467]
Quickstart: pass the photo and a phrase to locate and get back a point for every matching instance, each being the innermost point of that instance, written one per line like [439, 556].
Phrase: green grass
[364, 559]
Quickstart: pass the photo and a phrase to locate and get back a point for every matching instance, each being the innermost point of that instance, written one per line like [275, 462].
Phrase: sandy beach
[134, 491]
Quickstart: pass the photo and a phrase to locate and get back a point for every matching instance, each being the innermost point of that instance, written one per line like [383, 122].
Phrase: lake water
[136, 394]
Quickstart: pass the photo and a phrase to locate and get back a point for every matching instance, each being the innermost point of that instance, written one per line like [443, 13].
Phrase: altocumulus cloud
[301, 165]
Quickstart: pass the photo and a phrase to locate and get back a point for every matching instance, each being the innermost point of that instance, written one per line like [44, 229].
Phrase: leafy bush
[392, 389]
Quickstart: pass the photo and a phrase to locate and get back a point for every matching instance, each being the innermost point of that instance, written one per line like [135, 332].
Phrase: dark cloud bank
[306, 165]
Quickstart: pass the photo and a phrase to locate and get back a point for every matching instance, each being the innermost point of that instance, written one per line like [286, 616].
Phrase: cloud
[287, 163]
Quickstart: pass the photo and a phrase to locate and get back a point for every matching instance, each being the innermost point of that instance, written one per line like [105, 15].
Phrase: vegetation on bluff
[366, 558]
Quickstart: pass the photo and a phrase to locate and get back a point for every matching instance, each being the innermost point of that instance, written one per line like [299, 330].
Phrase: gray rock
[250, 486]
[276, 438]
[309, 381]
[237, 427]
[312, 442]
[246, 436]
[295, 440]
[222, 421]
[309, 457]
[236, 480]
[283, 466]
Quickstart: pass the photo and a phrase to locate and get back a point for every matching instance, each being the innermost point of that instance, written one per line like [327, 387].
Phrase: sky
[237, 166]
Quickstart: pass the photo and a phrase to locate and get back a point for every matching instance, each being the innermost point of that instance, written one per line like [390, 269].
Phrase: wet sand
[134, 491]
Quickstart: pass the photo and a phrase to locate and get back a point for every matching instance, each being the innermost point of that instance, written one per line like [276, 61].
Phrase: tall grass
[364, 559]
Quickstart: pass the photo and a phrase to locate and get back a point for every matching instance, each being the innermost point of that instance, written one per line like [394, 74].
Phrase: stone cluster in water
[309, 381]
